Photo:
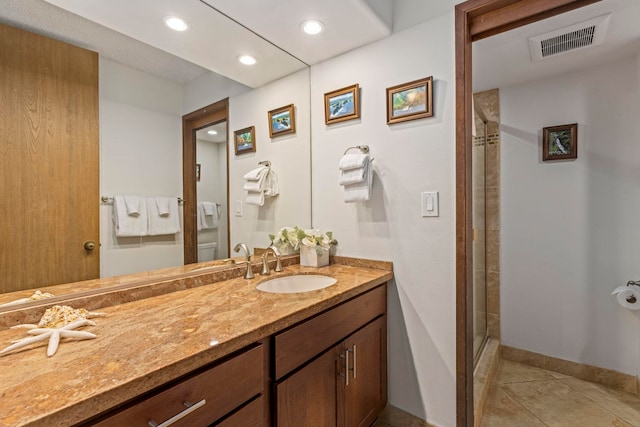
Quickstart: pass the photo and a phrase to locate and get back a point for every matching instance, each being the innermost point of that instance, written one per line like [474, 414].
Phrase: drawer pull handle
[190, 408]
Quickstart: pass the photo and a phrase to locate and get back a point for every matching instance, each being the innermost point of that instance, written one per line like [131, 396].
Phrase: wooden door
[309, 396]
[48, 161]
[366, 394]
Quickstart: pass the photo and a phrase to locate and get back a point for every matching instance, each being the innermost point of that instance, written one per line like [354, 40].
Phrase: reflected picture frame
[282, 121]
[560, 142]
[410, 101]
[245, 140]
[342, 104]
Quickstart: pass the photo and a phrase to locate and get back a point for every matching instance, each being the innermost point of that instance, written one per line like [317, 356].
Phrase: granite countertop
[146, 343]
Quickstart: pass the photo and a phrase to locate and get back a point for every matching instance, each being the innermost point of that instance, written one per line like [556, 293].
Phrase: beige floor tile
[501, 410]
[557, 405]
[513, 372]
[623, 405]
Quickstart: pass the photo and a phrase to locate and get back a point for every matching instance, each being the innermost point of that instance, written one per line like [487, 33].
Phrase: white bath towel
[254, 185]
[211, 214]
[271, 188]
[201, 223]
[255, 198]
[352, 176]
[133, 204]
[163, 204]
[353, 161]
[160, 225]
[126, 225]
[256, 174]
[360, 191]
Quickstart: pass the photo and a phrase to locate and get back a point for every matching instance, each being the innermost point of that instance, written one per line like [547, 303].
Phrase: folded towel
[126, 225]
[201, 222]
[256, 174]
[210, 210]
[352, 176]
[361, 191]
[254, 185]
[163, 204]
[160, 225]
[133, 205]
[255, 198]
[353, 161]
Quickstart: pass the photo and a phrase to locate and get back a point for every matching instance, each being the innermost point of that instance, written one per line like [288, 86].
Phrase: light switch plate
[238, 207]
[430, 205]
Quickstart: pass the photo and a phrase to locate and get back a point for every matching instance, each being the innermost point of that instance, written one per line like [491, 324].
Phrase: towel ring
[266, 163]
[363, 148]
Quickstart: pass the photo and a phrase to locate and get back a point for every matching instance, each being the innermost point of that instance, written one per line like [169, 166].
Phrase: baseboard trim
[483, 377]
[608, 377]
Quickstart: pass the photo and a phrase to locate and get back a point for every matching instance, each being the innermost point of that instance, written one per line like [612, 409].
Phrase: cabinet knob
[89, 245]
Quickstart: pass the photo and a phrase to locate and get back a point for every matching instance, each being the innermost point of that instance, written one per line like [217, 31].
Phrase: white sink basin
[295, 284]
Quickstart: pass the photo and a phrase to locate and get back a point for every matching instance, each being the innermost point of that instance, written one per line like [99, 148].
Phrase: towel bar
[109, 200]
[363, 148]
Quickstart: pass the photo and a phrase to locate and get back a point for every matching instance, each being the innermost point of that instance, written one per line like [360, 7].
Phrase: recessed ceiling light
[175, 23]
[212, 132]
[312, 27]
[247, 59]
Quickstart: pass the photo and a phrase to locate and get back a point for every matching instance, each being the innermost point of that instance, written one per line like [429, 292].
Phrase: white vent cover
[574, 37]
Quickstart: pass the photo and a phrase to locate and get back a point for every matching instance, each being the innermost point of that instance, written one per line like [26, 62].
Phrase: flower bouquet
[313, 244]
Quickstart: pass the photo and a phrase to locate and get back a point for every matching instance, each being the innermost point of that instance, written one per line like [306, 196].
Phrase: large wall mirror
[149, 77]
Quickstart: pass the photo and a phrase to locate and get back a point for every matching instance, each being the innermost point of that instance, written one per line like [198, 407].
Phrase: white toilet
[207, 251]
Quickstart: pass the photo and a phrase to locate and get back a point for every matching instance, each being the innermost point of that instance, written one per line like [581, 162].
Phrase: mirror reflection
[140, 95]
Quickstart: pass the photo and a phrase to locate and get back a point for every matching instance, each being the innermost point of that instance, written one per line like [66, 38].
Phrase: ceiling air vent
[577, 36]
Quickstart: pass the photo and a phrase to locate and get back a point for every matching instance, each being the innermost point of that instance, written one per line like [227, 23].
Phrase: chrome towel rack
[106, 200]
[364, 149]
[266, 163]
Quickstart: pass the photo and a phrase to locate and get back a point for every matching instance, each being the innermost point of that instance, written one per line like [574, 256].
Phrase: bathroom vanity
[220, 354]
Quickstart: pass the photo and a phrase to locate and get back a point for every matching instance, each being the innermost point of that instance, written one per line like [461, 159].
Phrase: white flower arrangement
[293, 237]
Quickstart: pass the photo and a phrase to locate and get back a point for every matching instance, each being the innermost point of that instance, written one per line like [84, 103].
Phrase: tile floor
[524, 396]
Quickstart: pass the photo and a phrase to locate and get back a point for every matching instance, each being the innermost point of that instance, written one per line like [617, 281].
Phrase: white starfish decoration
[53, 335]
[57, 322]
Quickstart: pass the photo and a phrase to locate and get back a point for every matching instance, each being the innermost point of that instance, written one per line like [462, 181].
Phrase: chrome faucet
[249, 273]
[265, 260]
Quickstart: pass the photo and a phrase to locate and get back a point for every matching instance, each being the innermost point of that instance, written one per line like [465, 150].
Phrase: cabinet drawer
[224, 387]
[302, 342]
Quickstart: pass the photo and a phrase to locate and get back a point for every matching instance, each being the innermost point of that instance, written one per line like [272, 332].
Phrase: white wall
[289, 156]
[140, 153]
[410, 158]
[570, 229]
[209, 88]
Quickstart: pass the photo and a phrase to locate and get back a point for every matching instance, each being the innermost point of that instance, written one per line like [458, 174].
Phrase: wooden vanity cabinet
[230, 393]
[343, 383]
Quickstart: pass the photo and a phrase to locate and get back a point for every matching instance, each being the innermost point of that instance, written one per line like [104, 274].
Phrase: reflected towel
[255, 198]
[133, 205]
[163, 204]
[160, 225]
[211, 215]
[126, 225]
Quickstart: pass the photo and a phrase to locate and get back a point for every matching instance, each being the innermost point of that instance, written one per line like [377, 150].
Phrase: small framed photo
[560, 142]
[410, 101]
[282, 121]
[342, 104]
[198, 166]
[245, 140]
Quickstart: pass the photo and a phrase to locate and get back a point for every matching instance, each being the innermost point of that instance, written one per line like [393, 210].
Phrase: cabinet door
[366, 394]
[309, 396]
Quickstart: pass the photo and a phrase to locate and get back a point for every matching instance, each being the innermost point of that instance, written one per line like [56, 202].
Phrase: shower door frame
[476, 20]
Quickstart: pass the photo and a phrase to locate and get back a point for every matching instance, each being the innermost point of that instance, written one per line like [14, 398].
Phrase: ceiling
[221, 30]
[505, 60]
[220, 137]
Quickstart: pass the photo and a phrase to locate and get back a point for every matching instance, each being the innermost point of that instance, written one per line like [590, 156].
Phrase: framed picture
[410, 101]
[245, 140]
[198, 172]
[560, 142]
[342, 104]
[282, 121]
